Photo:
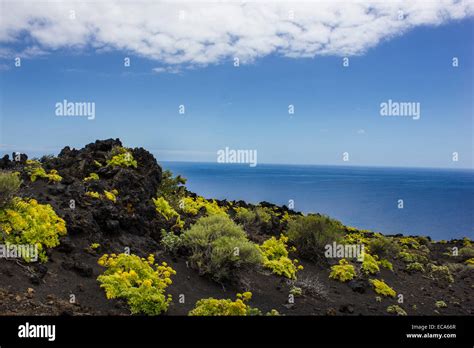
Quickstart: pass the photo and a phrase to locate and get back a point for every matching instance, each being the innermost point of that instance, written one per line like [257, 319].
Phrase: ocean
[436, 202]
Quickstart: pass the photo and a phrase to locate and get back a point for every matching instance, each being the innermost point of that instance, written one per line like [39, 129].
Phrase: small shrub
[139, 281]
[225, 307]
[343, 272]
[93, 194]
[381, 288]
[28, 222]
[441, 304]
[312, 232]
[386, 264]
[94, 246]
[219, 247]
[469, 261]
[9, 186]
[311, 285]
[172, 188]
[467, 251]
[441, 275]
[166, 210]
[410, 242]
[369, 264]
[35, 170]
[296, 291]
[111, 195]
[396, 309]
[383, 247]
[92, 177]
[275, 257]
[121, 157]
[170, 241]
[415, 267]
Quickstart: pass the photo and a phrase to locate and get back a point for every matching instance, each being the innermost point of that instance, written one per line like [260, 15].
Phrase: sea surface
[436, 202]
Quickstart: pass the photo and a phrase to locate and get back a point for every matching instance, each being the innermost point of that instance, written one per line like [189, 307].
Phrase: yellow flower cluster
[225, 307]
[370, 264]
[35, 170]
[382, 288]
[110, 195]
[122, 158]
[343, 272]
[92, 177]
[166, 210]
[192, 206]
[138, 280]
[28, 222]
[275, 257]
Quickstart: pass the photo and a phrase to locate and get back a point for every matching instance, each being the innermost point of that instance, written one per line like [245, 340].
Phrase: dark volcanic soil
[72, 269]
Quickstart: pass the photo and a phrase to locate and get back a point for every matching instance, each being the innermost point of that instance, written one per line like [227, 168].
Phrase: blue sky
[246, 107]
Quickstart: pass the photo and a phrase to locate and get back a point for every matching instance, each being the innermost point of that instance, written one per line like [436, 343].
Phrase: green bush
[441, 275]
[415, 267]
[9, 186]
[170, 242]
[312, 232]
[219, 247]
[383, 247]
[28, 222]
[172, 188]
[139, 281]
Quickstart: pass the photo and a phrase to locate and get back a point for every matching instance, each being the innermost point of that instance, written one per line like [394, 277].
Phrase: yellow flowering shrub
[111, 195]
[382, 288]
[166, 210]
[369, 264]
[121, 157]
[192, 206]
[92, 177]
[225, 307]
[343, 272]
[93, 194]
[275, 257]
[396, 309]
[469, 261]
[386, 264]
[35, 170]
[28, 222]
[141, 282]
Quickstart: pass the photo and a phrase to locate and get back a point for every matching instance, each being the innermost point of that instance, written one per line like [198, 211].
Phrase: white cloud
[207, 33]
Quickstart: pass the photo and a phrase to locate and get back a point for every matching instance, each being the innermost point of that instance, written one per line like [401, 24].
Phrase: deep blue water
[437, 202]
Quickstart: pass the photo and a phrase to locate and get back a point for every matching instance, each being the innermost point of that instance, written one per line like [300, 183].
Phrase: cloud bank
[190, 34]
